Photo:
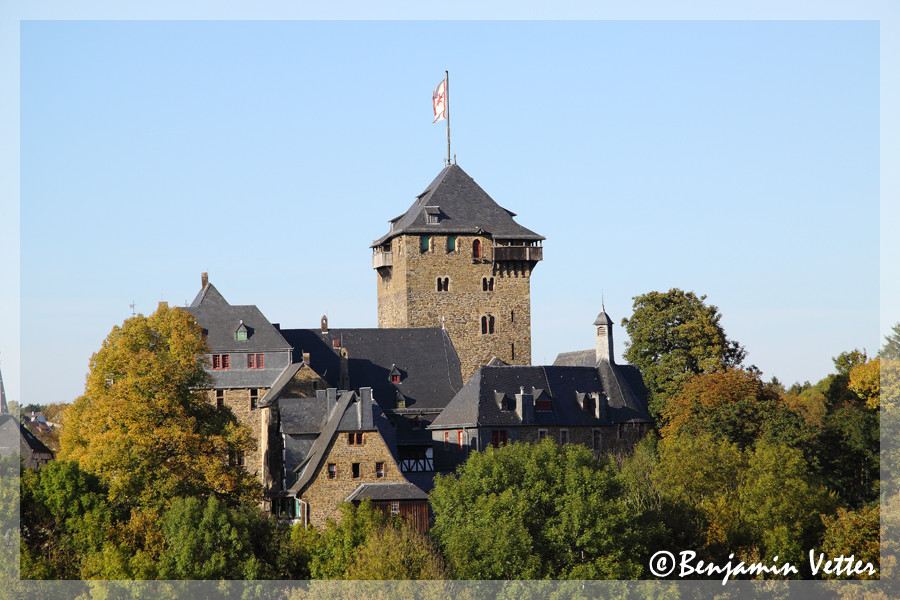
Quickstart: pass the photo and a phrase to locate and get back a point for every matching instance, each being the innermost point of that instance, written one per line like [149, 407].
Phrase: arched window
[476, 249]
[443, 284]
[487, 324]
[484, 284]
[490, 284]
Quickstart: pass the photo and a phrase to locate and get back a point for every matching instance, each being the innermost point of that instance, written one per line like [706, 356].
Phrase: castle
[348, 414]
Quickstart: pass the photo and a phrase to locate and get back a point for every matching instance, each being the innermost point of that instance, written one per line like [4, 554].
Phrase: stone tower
[458, 260]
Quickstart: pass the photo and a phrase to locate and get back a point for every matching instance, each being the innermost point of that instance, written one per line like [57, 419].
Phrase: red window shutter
[459, 438]
[261, 361]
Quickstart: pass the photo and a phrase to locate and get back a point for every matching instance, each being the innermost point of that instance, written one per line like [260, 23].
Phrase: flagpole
[447, 109]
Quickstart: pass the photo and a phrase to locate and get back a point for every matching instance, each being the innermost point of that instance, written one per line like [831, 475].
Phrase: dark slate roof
[27, 441]
[220, 320]
[580, 358]
[477, 403]
[603, 319]
[429, 367]
[465, 208]
[308, 466]
[387, 491]
[303, 415]
[279, 384]
[308, 429]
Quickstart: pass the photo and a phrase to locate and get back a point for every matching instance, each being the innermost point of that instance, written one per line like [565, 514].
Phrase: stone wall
[238, 400]
[324, 495]
[410, 298]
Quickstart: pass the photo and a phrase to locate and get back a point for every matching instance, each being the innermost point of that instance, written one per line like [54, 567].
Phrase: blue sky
[739, 159]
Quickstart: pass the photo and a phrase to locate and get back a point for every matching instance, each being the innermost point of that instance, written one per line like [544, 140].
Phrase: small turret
[604, 337]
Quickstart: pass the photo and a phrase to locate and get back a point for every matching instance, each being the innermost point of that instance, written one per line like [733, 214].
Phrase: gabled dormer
[242, 333]
[395, 375]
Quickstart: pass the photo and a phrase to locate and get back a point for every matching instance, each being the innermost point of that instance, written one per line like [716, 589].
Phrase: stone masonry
[409, 296]
[324, 495]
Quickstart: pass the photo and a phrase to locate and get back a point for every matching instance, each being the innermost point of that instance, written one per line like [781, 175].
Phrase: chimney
[366, 406]
[204, 279]
[603, 337]
[344, 378]
[306, 357]
[163, 305]
[601, 406]
[324, 324]
[525, 406]
[330, 399]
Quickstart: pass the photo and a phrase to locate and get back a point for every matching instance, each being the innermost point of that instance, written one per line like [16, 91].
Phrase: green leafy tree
[65, 518]
[534, 511]
[210, 540]
[334, 549]
[397, 553]
[758, 502]
[673, 336]
[891, 348]
[144, 427]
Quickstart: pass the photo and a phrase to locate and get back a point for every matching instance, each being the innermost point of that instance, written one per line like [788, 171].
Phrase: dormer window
[241, 333]
[395, 374]
[432, 215]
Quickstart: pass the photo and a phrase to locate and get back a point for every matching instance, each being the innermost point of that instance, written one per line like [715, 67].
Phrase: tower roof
[603, 319]
[454, 203]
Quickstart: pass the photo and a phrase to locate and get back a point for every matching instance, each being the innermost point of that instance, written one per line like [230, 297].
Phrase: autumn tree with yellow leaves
[143, 425]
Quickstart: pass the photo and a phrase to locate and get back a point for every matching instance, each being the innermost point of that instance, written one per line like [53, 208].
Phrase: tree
[210, 540]
[396, 553]
[755, 502]
[65, 518]
[143, 425]
[891, 348]
[673, 336]
[534, 511]
[736, 406]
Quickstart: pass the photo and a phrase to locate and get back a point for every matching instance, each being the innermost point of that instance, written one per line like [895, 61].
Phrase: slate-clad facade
[247, 355]
[458, 260]
[585, 398]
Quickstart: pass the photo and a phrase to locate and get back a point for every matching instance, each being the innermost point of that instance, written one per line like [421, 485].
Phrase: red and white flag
[439, 100]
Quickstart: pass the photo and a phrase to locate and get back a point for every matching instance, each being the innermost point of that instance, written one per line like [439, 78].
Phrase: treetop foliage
[534, 511]
[675, 335]
[144, 427]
